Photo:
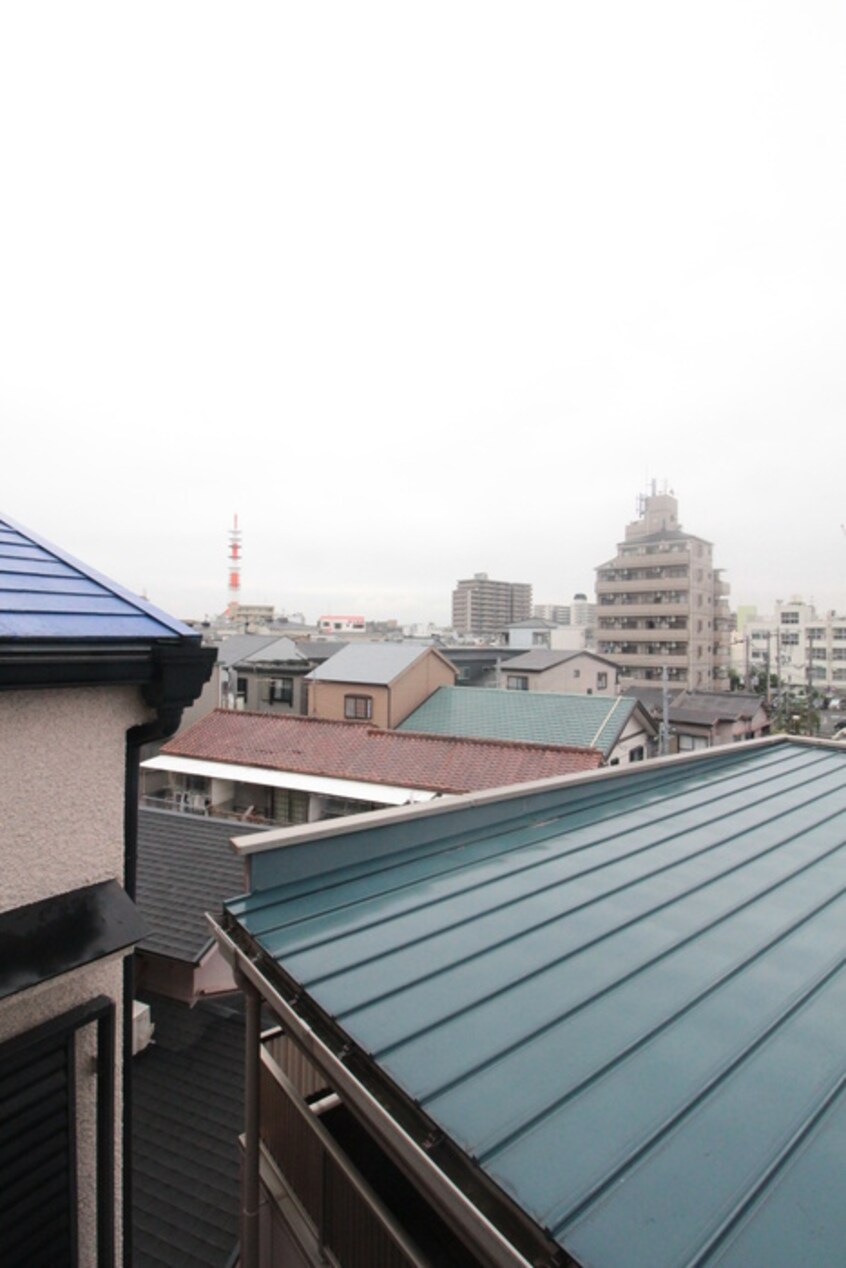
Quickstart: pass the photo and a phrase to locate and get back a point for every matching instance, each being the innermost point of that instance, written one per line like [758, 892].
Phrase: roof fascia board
[171, 672]
[446, 1197]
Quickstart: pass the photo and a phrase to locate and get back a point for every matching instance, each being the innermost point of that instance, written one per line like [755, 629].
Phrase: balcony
[633, 663]
[331, 1190]
[639, 585]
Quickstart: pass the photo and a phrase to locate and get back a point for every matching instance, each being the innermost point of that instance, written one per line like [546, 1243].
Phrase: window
[636, 754]
[577, 673]
[241, 689]
[358, 707]
[517, 682]
[282, 691]
[790, 618]
[601, 682]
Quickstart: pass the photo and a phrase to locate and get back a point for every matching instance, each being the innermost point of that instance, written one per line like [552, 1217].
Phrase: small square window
[359, 708]
[517, 682]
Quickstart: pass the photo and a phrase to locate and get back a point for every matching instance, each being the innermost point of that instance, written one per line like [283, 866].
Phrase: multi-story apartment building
[482, 606]
[661, 602]
[798, 645]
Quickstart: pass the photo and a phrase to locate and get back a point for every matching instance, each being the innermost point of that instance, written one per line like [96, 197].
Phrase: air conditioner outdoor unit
[142, 1026]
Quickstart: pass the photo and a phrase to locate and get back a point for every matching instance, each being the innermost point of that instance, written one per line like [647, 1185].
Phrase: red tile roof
[352, 750]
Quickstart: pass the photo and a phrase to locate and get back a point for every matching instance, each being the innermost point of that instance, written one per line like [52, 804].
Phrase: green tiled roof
[541, 717]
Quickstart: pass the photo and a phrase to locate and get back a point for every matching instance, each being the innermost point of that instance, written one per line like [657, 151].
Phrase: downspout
[252, 1074]
[162, 727]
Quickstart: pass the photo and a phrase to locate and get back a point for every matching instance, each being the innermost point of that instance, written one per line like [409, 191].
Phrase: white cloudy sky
[421, 290]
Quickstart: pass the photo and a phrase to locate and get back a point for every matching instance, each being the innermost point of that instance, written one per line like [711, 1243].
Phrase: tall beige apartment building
[661, 601]
[482, 606]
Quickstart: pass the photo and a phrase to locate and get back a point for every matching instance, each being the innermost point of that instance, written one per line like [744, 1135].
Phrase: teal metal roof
[624, 999]
[47, 594]
[543, 717]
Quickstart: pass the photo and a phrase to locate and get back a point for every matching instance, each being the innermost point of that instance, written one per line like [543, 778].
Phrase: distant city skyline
[421, 293]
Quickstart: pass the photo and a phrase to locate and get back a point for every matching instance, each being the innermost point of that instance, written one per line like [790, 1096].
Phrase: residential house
[378, 683]
[479, 666]
[523, 635]
[88, 674]
[705, 719]
[568, 671]
[270, 674]
[599, 1022]
[620, 728]
[289, 770]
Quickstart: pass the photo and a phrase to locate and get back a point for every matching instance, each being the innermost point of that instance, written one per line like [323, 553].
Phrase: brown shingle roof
[351, 750]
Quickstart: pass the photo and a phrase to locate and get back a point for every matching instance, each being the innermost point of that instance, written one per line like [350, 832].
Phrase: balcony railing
[348, 1221]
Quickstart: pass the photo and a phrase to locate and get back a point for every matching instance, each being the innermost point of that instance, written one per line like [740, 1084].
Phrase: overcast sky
[423, 290]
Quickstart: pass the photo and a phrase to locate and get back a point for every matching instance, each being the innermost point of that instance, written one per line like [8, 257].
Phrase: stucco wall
[579, 676]
[417, 684]
[62, 766]
[62, 777]
[326, 700]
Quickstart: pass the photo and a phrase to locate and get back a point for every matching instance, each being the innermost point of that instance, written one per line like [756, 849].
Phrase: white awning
[383, 794]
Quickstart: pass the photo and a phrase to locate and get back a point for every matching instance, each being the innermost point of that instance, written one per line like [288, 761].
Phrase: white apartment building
[798, 644]
[662, 603]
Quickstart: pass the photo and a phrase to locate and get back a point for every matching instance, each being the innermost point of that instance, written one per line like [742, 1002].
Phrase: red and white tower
[234, 569]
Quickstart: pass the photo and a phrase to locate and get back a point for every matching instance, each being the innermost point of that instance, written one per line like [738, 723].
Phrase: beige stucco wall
[62, 765]
[579, 676]
[326, 700]
[62, 773]
[417, 684]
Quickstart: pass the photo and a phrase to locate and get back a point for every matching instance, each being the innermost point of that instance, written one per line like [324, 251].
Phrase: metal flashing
[56, 935]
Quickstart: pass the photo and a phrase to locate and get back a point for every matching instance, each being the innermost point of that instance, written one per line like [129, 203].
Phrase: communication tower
[234, 569]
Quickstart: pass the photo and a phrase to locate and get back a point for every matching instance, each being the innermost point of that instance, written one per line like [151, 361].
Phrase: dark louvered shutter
[37, 1200]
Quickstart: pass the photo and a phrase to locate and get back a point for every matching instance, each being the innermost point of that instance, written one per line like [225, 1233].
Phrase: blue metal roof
[625, 1000]
[47, 594]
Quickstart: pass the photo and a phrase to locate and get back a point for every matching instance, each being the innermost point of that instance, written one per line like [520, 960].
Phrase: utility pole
[665, 711]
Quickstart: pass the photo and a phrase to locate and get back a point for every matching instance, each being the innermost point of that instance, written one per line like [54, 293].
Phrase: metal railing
[350, 1223]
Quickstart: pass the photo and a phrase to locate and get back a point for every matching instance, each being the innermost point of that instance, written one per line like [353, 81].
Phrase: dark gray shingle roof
[185, 868]
[187, 1111]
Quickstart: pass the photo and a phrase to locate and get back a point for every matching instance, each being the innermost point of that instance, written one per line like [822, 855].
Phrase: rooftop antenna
[234, 569]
